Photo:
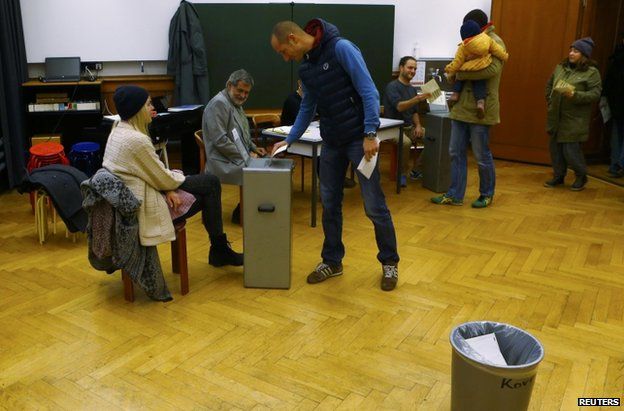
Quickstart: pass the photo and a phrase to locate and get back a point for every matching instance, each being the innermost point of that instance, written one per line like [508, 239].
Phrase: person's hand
[423, 97]
[418, 131]
[253, 155]
[261, 152]
[173, 200]
[568, 93]
[277, 145]
[370, 148]
[450, 78]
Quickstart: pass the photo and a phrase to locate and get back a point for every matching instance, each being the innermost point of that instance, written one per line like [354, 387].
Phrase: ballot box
[436, 164]
[267, 222]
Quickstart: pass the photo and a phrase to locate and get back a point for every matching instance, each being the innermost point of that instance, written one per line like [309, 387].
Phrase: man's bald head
[282, 29]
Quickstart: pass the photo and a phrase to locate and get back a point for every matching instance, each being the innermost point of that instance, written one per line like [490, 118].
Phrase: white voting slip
[487, 347]
[367, 167]
[431, 87]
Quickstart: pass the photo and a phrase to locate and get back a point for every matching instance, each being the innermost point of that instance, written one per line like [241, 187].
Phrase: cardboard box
[45, 138]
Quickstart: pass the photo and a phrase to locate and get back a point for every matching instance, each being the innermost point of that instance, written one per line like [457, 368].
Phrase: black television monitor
[62, 68]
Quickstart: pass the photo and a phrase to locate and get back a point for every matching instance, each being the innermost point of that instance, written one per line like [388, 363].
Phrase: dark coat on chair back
[62, 183]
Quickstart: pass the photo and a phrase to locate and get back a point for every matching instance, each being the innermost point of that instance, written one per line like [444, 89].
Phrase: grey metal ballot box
[267, 226]
[436, 160]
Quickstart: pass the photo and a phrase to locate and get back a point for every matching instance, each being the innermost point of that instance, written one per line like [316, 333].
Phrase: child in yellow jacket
[473, 54]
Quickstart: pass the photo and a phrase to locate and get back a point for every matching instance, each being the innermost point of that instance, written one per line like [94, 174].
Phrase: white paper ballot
[280, 150]
[235, 134]
[432, 88]
[487, 347]
[367, 167]
[605, 110]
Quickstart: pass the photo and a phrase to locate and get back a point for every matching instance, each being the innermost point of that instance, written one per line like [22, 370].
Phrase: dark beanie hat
[584, 45]
[477, 15]
[129, 100]
[470, 28]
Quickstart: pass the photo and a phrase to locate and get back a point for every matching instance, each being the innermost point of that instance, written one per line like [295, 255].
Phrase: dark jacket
[613, 87]
[187, 60]
[62, 183]
[568, 118]
[113, 234]
[338, 103]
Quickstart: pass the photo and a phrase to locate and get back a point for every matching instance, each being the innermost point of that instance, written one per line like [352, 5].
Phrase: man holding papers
[337, 84]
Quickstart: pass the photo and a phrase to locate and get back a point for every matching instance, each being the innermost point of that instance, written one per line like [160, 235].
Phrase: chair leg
[393, 161]
[179, 260]
[128, 286]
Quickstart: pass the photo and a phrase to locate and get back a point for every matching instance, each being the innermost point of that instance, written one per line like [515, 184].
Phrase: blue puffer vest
[338, 103]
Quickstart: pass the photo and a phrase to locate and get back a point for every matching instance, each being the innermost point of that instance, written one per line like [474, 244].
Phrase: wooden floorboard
[550, 261]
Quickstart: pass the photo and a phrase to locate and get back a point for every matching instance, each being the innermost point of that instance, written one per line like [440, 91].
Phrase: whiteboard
[138, 30]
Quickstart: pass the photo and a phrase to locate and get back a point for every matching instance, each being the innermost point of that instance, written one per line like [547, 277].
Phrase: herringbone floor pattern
[548, 261]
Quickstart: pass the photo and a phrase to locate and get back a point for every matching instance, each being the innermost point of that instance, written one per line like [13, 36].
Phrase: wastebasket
[477, 384]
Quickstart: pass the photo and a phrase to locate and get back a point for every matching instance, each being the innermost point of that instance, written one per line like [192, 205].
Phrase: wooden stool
[179, 265]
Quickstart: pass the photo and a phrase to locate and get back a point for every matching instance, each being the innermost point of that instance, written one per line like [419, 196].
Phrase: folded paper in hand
[281, 149]
[187, 199]
[563, 86]
[431, 87]
[367, 167]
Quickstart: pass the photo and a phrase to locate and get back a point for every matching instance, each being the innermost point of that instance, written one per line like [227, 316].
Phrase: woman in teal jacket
[571, 90]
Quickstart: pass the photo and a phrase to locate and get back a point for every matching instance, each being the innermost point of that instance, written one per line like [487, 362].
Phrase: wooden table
[309, 145]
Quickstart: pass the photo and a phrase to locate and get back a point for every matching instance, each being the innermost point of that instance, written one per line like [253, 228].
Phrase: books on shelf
[73, 106]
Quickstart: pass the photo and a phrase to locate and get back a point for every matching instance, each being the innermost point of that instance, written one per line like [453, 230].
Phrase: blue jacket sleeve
[352, 61]
[304, 117]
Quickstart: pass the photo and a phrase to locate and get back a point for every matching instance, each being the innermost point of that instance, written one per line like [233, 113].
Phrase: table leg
[399, 161]
[314, 183]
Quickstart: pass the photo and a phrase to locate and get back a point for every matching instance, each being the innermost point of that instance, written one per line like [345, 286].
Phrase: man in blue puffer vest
[337, 85]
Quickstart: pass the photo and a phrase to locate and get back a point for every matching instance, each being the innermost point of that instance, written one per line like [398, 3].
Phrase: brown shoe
[323, 271]
[389, 277]
[480, 108]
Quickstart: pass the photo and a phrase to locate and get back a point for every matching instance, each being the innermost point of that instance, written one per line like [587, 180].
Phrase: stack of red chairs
[45, 154]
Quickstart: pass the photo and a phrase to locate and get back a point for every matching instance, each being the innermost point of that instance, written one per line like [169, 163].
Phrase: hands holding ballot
[278, 148]
[565, 88]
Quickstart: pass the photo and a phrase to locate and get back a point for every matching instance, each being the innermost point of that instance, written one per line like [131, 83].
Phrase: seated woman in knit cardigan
[131, 156]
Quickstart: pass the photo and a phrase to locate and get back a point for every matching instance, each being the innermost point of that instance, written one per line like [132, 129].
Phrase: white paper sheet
[235, 134]
[367, 167]
[605, 110]
[280, 150]
[432, 88]
[487, 347]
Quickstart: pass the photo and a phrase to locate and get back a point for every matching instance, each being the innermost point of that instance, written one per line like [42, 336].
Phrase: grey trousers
[563, 155]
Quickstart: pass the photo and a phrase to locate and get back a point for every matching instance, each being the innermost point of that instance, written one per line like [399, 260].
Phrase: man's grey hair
[240, 75]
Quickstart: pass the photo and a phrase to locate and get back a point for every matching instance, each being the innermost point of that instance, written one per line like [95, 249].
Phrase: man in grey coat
[226, 134]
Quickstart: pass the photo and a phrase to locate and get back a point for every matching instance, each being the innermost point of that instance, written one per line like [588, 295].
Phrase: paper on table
[280, 150]
[487, 347]
[432, 88]
[367, 167]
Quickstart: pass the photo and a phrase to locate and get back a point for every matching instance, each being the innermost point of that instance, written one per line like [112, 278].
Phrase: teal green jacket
[568, 118]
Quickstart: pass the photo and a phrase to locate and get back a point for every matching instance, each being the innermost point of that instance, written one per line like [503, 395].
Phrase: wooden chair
[179, 264]
[261, 121]
[199, 140]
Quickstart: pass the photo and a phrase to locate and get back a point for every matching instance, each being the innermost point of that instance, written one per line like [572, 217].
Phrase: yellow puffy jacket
[475, 53]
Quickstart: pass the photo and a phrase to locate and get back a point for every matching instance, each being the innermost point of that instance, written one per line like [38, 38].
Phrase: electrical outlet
[91, 65]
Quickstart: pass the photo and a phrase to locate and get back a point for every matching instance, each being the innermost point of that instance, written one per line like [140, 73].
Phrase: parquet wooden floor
[550, 261]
